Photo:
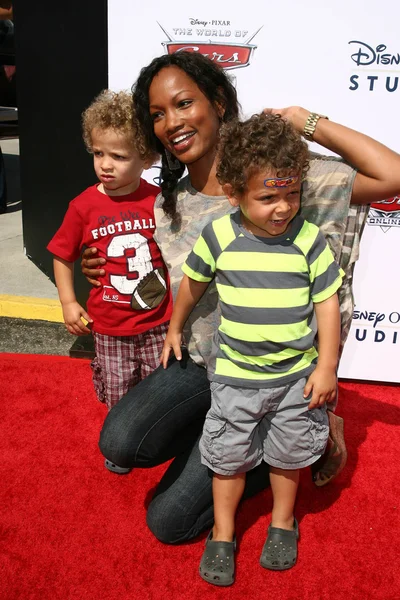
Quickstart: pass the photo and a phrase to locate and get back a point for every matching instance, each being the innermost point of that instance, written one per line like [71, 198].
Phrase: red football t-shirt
[121, 228]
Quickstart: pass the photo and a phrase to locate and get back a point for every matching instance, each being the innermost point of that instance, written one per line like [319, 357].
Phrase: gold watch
[311, 123]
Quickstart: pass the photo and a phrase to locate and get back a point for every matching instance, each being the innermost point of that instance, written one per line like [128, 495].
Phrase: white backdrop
[342, 60]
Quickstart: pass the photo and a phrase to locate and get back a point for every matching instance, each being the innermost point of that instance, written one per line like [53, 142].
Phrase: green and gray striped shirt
[267, 288]
[325, 201]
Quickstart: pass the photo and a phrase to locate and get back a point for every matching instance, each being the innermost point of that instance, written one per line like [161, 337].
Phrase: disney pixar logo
[228, 55]
[374, 57]
[385, 214]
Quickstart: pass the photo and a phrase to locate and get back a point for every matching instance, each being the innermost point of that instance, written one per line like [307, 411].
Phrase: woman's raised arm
[378, 167]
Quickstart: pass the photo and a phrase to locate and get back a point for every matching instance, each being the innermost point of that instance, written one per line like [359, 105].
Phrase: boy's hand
[322, 383]
[72, 317]
[172, 342]
[90, 266]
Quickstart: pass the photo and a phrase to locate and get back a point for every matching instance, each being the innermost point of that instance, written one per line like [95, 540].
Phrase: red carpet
[70, 530]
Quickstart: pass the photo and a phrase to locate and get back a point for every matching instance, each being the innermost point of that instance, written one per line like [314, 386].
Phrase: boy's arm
[72, 310]
[189, 293]
[323, 381]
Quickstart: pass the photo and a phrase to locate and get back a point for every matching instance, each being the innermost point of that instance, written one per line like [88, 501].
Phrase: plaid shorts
[122, 361]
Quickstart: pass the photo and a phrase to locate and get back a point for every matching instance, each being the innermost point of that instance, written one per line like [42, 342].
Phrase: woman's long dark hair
[215, 85]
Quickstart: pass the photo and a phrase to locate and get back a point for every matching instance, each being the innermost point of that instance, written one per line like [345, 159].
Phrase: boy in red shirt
[129, 312]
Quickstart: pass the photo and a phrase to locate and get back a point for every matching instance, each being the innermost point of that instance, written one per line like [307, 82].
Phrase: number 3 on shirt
[139, 263]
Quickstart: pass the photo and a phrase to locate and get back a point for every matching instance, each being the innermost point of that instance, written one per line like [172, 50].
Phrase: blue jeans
[160, 418]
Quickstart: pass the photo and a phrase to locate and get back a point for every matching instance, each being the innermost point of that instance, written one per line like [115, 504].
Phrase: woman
[182, 99]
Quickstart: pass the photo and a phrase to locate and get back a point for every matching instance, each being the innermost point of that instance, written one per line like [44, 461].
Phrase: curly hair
[115, 110]
[215, 85]
[264, 141]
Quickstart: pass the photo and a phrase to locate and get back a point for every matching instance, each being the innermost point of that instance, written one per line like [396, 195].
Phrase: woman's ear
[220, 104]
[220, 111]
[229, 192]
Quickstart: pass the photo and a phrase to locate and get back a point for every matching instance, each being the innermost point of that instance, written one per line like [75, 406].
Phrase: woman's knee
[158, 418]
[132, 433]
[117, 442]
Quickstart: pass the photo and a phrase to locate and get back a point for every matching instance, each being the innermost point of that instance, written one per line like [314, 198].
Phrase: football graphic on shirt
[150, 291]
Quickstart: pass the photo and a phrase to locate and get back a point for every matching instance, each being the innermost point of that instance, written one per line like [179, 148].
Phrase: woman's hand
[172, 342]
[72, 312]
[90, 266]
[378, 167]
[296, 115]
[322, 383]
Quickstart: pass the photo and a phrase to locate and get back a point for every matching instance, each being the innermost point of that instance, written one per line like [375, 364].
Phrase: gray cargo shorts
[245, 426]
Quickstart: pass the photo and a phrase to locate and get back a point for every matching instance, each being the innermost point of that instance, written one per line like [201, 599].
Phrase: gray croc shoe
[280, 549]
[217, 564]
[115, 468]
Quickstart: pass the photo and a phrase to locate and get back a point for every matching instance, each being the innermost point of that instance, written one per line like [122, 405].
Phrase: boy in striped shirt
[276, 280]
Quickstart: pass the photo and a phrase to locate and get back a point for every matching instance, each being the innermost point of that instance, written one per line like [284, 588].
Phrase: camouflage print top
[325, 201]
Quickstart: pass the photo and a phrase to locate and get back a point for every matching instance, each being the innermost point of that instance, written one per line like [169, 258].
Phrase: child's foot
[217, 564]
[115, 468]
[280, 549]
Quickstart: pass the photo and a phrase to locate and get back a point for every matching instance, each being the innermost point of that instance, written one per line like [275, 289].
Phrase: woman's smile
[181, 142]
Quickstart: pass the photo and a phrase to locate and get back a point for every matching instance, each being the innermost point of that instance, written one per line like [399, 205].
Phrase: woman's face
[185, 121]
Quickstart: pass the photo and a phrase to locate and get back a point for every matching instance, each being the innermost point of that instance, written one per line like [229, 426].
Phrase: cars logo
[226, 55]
